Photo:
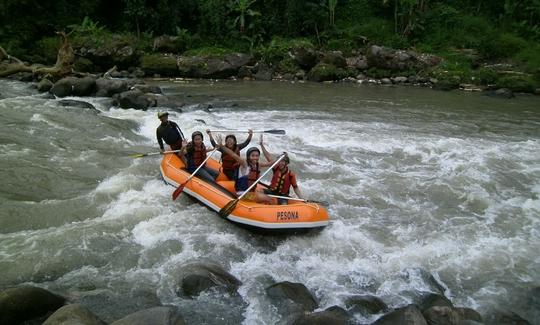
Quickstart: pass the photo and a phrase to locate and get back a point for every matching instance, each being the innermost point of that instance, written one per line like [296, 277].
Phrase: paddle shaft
[254, 131]
[156, 153]
[296, 199]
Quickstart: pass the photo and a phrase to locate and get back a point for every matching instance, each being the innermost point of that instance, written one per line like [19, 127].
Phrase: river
[418, 181]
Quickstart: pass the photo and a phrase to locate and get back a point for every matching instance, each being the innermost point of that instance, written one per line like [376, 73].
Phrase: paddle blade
[228, 208]
[323, 203]
[139, 155]
[275, 131]
[178, 191]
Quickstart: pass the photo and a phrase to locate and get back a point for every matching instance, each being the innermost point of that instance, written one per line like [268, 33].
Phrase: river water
[419, 182]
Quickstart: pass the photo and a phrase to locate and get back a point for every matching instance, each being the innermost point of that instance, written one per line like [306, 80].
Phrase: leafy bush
[503, 46]
[529, 58]
[518, 83]
[209, 50]
[277, 49]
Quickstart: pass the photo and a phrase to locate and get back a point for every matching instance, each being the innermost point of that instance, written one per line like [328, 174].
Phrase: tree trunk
[62, 67]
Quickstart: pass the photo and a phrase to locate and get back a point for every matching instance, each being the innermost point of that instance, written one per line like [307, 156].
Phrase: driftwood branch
[62, 67]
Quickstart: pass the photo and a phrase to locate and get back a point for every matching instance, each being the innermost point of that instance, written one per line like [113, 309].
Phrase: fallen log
[62, 67]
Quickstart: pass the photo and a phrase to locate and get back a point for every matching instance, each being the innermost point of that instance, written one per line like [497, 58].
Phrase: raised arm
[229, 152]
[248, 140]
[212, 141]
[269, 157]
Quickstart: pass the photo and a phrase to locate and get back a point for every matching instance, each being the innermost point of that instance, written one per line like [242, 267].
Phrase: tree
[242, 7]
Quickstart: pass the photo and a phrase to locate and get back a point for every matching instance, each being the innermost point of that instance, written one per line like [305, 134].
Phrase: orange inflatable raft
[295, 216]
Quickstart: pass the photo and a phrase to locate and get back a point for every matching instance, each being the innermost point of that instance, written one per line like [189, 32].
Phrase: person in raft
[229, 163]
[283, 177]
[248, 172]
[195, 153]
[169, 132]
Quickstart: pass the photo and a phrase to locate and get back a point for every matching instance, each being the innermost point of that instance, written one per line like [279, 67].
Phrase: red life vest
[199, 155]
[281, 183]
[228, 162]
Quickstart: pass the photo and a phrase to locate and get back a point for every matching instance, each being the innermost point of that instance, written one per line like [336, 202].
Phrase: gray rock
[442, 315]
[335, 58]
[199, 277]
[44, 85]
[109, 87]
[428, 300]
[365, 304]
[135, 99]
[264, 72]
[305, 57]
[76, 103]
[409, 315]
[165, 315]
[296, 292]
[73, 314]
[334, 315]
[169, 44]
[24, 303]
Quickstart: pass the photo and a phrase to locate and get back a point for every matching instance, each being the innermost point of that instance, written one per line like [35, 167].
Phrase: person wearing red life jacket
[229, 164]
[283, 178]
[195, 153]
[248, 172]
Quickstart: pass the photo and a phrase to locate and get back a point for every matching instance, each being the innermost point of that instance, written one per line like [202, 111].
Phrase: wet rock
[334, 315]
[76, 103]
[296, 292]
[166, 315]
[263, 72]
[421, 275]
[506, 318]
[24, 303]
[238, 60]
[148, 89]
[398, 60]
[109, 87]
[409, 315]
[116, 51]
[199, 277]
[335, 58]
[441, 315]
[428, 300]
[134, 99]
[357, 62]
[73, 314]
[44, 85]
[501, 93]
[469, 314]
[72, 86]
[245, 73]
[365, 304]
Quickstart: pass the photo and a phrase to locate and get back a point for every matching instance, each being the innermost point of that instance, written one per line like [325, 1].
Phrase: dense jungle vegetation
[469, 34]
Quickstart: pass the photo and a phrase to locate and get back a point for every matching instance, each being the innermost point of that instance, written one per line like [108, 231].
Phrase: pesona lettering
[287, 215]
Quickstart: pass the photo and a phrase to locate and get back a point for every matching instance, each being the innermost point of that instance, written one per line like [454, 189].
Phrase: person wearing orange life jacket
[248, 172]
[229, 164]
[283, 178]
[195, 153]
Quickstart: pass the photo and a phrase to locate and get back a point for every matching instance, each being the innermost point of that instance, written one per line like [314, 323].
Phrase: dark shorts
[177, 145]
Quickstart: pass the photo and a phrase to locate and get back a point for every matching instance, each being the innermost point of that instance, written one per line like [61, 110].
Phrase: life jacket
[281, 183]
[195, 156]
[228, 162]
[245, 181]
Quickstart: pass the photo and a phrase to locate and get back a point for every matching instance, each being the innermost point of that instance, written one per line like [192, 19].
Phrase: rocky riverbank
[296, 303]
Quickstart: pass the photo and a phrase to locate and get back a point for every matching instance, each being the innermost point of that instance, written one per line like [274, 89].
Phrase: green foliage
[518, 83]
[378, 73]
[209, 51]
[88, 28]
[503, 46]
[288, 65]
[529, 57]
[277, 49]
[47, 48]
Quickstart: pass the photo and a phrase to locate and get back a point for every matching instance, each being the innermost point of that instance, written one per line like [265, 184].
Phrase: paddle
[297, 199]
[180, 188]
[229, 207]
[139, 155]
[273, 131]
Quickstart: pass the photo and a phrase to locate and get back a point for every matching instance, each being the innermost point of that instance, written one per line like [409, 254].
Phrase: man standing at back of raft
[169, 132]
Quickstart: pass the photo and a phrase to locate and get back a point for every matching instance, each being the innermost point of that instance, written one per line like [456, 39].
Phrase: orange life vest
[195, 156]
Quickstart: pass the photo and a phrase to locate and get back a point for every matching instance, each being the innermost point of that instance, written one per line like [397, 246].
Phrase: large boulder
[305, 57]
[335, 58]
[399, 60]
[409, 315]
[73, 86]
[73, 314]
[159, 64]
[116, 50]
[295, 292]
[109, 87]
[365, 304]
[334, 315]
[135, 99]
[165, 315]
[24, 303]
[198, 277]
[325, 72]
